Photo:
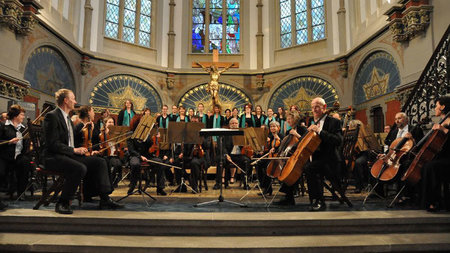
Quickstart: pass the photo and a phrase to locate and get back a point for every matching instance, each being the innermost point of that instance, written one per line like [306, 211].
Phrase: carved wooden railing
[433, 83]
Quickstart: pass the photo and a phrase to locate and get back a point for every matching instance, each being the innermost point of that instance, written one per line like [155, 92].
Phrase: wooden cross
[215, 61]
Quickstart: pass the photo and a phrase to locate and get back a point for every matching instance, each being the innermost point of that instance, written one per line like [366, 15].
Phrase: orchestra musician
[326, 157]
[61, 155]
[189, 156]
[403, 129]
[139, 152]
[272, 145]
[3, 117]
[296, 130]
[14, 151]
[233, 154]
[86, 114]
[126, 114]
[436, 172]
[100, 122]
[112, 153]
[361, 168]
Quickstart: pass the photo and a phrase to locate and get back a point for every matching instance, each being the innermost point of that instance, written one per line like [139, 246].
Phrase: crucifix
[213, 69]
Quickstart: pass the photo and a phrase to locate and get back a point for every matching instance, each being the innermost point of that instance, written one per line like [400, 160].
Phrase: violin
[247, 151]
[87, 137]
[273, 170]
[198, 151]
[386, 168]
[154, 149]
[104, 144]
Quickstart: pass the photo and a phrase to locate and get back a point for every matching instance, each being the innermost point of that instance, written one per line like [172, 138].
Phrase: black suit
[9, 163]
[241, 160]
[416, 132]
[325, 160]
[59, 156]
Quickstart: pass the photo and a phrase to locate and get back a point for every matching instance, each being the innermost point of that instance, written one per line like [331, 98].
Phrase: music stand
[220, 133]
[184, 133]
[142, 132]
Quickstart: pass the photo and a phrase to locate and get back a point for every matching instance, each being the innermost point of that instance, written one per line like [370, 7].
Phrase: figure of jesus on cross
[214, 72]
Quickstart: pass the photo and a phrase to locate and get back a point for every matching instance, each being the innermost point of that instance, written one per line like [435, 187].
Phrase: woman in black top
[14, 155]
[437, 172]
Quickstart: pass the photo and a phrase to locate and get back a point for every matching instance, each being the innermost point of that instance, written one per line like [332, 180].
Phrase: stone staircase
[129, 231]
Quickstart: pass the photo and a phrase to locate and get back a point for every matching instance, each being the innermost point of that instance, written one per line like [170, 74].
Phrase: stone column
[87, 25]
[259, 38]
[171, 34]
[342, 27]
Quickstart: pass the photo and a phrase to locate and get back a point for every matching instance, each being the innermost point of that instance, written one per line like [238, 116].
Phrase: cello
[386, 168]
[287, 145]
[432, 144]
[305, 147]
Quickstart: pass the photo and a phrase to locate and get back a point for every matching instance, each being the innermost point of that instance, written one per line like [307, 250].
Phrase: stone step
[223, 223]
[414, 242]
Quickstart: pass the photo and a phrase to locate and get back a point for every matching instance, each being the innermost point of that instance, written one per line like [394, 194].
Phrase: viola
[386, 168]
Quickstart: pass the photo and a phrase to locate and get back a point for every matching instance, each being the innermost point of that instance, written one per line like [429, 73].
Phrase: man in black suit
[233, 156]
[403, 129]
[60, 155]
[326, 159]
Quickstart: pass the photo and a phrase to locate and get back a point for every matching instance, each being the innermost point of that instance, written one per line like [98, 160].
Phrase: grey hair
[274, 122]
[320, 100]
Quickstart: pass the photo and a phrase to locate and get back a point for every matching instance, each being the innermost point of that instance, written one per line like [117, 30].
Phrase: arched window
[129, 20]
[308, 17]
[221, 27]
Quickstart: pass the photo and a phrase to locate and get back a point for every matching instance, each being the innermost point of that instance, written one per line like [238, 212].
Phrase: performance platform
[172, 224]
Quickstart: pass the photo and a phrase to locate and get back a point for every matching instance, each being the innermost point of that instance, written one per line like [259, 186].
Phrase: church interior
[291, 68]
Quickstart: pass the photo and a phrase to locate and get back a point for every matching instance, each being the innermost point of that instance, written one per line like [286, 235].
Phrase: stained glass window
[145, 23]
[198, 26]
[129, 20]
[221, 26]
[112, 19]
[309, 22]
